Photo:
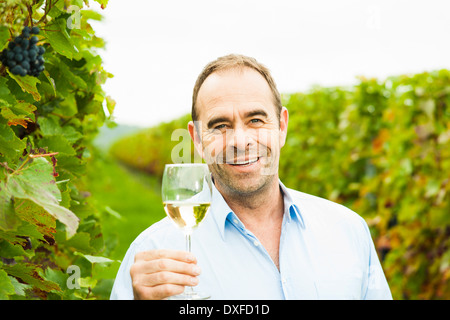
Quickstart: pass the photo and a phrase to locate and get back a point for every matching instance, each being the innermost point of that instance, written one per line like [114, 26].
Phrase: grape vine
[51, 106]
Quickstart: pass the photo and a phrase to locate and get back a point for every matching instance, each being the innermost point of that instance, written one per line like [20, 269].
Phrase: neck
[262, 214]
[264, 206]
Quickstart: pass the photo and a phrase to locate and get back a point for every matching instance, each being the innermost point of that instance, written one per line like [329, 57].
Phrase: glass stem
[188, 242]
[188, 290]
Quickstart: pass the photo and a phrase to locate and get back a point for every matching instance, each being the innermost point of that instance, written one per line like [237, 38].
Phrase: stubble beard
[244, 187]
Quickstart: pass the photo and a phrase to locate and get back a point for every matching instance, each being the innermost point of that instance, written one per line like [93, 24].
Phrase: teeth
[246, 162]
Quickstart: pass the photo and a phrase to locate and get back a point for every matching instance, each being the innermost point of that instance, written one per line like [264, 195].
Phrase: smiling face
[239, 133]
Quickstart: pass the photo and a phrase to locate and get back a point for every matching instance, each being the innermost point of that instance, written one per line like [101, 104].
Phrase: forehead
[234, 90]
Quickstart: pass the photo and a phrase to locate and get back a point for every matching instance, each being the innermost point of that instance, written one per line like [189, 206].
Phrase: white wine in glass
[186, 195]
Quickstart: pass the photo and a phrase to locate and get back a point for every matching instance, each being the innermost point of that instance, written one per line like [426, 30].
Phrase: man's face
[241, 133]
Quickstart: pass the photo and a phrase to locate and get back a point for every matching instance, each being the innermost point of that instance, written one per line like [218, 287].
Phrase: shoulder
[332, 224]
[317, 208]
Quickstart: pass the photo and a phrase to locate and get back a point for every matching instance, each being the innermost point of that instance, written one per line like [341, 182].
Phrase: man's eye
[255, 120]
[220, 126]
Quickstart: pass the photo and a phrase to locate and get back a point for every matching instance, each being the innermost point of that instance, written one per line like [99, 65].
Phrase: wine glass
[186, 195]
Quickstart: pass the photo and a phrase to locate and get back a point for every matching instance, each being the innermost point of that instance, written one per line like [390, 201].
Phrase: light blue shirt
[326, 252]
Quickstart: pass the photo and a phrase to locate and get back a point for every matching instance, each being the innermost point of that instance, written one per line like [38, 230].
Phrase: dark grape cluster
[23, 56]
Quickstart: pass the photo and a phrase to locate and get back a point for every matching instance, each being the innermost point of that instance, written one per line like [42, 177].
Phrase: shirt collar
[221, 211]
[291, 210]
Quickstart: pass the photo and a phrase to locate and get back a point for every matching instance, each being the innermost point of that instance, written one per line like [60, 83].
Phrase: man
[260, 240]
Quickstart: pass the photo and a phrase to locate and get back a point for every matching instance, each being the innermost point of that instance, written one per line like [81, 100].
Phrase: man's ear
[284, 119]
[195, 136]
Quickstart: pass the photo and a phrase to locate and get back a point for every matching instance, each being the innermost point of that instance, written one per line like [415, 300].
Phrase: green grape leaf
[57, 144]
[31, 212]
[95, 259]
[81, 241]
[9, 250]
[4, 36]
[91, 15]
[60, 40]
[51, 81]
[72, 165]
[28, 84]
[10, 145]
[25, 229]
[72, 78]
[20, 114]
[50, 127]
[103, 3]
[19, 288]
[32, 275]
[6, 98]
[110, 104]
[8, 218]
[36, 183]
[6, 287]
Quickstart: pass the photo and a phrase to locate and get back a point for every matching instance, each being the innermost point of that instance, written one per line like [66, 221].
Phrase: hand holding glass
[186, 195]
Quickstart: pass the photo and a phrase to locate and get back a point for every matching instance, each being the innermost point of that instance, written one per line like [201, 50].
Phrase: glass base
[189, 294]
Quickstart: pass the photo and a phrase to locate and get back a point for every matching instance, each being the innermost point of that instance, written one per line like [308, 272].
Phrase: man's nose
[238, 138]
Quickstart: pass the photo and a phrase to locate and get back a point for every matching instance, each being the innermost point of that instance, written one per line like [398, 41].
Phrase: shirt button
[235, 221]
[256, 243]
[283, 280]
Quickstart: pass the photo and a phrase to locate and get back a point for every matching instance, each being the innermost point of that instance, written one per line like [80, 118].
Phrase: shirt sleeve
[122, 288]
[376, 283]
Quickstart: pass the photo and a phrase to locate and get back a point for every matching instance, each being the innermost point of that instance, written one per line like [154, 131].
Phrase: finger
[157, 293]
[168, 290]
[154, 266]
[166, 277]
[166, 254]
[171, 265]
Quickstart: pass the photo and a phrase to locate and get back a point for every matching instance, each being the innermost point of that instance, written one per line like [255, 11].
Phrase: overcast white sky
[156, 49]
